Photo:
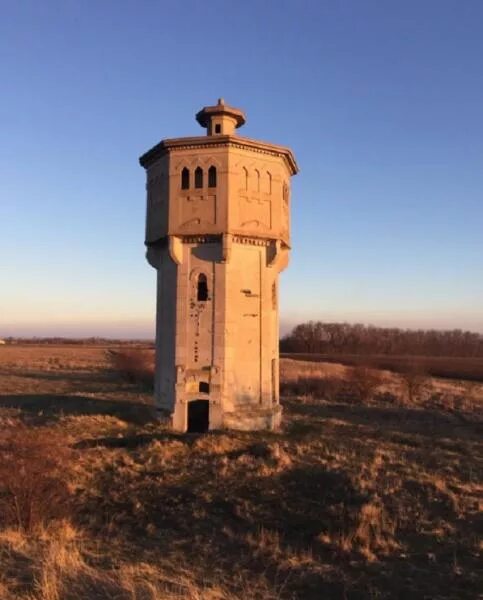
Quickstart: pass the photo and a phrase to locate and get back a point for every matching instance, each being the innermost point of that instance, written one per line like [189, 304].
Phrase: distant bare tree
[320, 337]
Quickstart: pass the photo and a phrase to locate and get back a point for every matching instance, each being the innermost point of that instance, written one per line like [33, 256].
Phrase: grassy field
[465, 368]
[373, 498]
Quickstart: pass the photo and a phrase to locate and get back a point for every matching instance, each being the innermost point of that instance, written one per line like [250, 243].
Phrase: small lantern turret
[220, 119]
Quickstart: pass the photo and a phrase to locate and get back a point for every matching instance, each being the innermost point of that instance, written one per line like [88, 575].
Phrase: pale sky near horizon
[381, 102]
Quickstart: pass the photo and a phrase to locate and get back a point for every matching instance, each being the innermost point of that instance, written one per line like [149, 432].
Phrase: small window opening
[198, 177]
[218, 128]
[269, 182]
[202, 292]
[204, 387]
[185, 179]
[212, 177]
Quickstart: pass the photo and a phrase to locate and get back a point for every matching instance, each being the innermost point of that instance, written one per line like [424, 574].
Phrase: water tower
[218, 234]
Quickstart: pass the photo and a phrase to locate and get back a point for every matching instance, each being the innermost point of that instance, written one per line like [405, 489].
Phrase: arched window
[257, 180]
[198, 177]
[202, 288]
[244, 178]
[185, 179]
[269, 175]
[212, 177]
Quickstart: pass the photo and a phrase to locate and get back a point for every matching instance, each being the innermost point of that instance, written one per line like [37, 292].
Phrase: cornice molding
[217, 238]
[195, 143]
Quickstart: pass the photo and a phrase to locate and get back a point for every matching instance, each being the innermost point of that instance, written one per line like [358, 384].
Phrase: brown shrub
[35, 464]
[358, 385]
[413, 379]
[363, 382]
[135, 365]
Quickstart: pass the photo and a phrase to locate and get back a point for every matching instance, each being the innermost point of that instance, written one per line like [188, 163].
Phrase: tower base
[254, 419]
[201, 416]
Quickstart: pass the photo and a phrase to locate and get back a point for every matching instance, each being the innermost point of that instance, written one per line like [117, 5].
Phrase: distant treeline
[91, 341]
[332, 338]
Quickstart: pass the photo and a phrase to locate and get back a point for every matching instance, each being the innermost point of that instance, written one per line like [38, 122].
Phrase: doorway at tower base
[249, 419]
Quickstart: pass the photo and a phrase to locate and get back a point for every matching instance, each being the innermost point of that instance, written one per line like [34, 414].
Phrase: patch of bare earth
[363, 494]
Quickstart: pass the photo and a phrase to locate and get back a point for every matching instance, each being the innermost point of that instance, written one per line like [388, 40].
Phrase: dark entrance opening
[198, 416]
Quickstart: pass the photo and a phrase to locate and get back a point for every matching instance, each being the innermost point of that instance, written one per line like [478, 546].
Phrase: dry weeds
[35, 473]
[57, 565]
[377, 498]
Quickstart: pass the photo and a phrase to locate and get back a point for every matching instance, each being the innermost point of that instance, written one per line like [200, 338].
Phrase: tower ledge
[186, 143]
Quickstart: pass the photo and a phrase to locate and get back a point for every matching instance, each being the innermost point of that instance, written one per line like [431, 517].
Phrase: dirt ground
[380, 499]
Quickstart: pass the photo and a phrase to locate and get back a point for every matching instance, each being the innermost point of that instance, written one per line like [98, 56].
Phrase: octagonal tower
[218, 234]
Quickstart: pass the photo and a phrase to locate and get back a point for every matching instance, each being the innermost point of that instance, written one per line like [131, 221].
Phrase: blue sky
[381, 103]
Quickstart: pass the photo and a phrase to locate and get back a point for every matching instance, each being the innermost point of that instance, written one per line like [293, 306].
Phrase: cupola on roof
[221, 119]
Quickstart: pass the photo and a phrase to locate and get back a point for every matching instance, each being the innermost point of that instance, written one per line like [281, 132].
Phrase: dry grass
[452, 367]
[35, 472]
[373, 497]
[57, 565]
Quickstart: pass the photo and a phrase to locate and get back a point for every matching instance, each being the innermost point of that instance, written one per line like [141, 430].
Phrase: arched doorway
[198, 416]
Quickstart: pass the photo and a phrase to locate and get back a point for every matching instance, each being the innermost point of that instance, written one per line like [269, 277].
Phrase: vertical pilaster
[266, 332]
[181, 350]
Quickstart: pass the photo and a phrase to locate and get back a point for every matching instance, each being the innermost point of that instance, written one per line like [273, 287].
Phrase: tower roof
[220, 121]
[205, 115]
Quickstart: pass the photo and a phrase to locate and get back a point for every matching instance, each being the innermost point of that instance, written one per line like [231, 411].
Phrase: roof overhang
[166, 146]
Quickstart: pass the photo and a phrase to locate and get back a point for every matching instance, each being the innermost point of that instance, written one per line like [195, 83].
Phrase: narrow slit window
[185, 179]
[218, 128]
[285, 192]
[245, 178]
[269, 175]
[202, 291]
[257, 180]
[212, 177]
[198, 177]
